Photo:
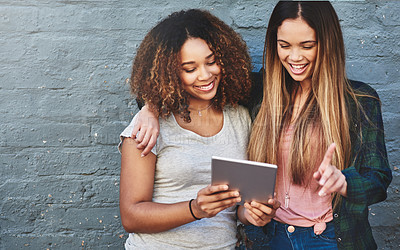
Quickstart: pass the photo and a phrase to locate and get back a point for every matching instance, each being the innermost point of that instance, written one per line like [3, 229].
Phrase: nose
[295, 54]
[204, 73]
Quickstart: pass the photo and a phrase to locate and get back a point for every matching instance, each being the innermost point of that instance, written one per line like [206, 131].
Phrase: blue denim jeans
[300, 238]
[258, 239]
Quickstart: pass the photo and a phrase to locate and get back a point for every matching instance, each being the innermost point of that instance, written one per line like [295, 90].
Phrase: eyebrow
[191, 62]
[309, 41]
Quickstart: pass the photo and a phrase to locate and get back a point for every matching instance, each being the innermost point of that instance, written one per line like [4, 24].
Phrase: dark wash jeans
[301, 238]
[278, 237]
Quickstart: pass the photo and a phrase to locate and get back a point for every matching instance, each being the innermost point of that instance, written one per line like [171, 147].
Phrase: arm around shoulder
[146, 129]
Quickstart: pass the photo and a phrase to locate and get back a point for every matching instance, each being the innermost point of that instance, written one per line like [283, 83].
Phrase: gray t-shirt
[183, 168]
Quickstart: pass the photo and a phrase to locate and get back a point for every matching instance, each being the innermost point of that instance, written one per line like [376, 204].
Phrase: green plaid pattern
[368, 177]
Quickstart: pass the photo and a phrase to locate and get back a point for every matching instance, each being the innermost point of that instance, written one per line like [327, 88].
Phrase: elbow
[130, 225]
[136, 219]
[129, 228]
[129, 221]
[134, 223]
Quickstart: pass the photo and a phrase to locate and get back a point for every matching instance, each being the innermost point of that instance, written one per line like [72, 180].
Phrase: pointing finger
[329, 154]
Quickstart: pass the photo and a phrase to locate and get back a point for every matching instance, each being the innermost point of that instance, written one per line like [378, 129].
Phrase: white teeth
[298, 66]
[207, 87]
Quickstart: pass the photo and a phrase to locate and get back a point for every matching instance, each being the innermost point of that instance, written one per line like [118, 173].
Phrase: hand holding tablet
[254, 180]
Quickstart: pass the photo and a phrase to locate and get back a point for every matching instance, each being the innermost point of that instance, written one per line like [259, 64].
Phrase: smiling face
[200, 73]
[297, 49]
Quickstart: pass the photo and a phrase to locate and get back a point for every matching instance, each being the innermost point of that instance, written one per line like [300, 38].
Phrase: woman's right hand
[257, 213]
[213, 199]
[146, 130]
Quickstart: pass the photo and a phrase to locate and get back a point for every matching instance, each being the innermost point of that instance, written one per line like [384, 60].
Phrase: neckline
[194, 133]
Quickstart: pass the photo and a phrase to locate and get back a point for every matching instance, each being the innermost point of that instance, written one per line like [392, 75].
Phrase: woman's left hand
[260, 214]
[329, 177]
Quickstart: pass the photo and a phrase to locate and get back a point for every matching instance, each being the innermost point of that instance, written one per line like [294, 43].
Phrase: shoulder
[366, 96]
[366, 109]
[236, 111]
[127, 132]
[362, 88]
[238, 116]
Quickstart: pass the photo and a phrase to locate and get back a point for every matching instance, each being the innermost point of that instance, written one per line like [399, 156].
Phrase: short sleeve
[127, 133]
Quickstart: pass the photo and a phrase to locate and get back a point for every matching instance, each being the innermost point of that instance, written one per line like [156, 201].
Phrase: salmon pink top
[305, 208]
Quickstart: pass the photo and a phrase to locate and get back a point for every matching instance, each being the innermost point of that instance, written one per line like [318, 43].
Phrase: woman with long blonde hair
[323, 131]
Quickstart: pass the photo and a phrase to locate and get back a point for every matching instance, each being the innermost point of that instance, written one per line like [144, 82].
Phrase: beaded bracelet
[191, 211]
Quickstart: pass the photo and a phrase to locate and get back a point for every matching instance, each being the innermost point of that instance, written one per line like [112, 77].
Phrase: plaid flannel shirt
[369, 175]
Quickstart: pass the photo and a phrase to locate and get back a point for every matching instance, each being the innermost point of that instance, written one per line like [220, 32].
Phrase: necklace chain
[287, 192]
[203, 109]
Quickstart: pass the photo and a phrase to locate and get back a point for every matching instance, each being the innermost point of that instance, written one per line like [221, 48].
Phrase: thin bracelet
[190, 208]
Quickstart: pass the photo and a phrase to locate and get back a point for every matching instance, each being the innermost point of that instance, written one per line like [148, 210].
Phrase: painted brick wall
[64, 100]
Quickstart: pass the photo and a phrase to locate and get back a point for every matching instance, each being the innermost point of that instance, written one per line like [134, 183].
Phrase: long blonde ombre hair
[326, 106]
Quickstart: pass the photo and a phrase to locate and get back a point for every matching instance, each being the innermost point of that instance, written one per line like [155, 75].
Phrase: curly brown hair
[156, 67]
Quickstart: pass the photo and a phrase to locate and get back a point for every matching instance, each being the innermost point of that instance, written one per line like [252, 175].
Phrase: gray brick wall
[64, 100]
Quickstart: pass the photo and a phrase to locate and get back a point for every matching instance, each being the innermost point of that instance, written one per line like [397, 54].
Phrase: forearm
[367, 188]
[151, 217]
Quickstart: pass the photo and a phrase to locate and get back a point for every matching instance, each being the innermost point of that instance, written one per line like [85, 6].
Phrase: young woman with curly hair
[192, 70]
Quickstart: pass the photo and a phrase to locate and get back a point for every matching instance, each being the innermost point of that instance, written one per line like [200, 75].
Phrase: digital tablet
[254, 180]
